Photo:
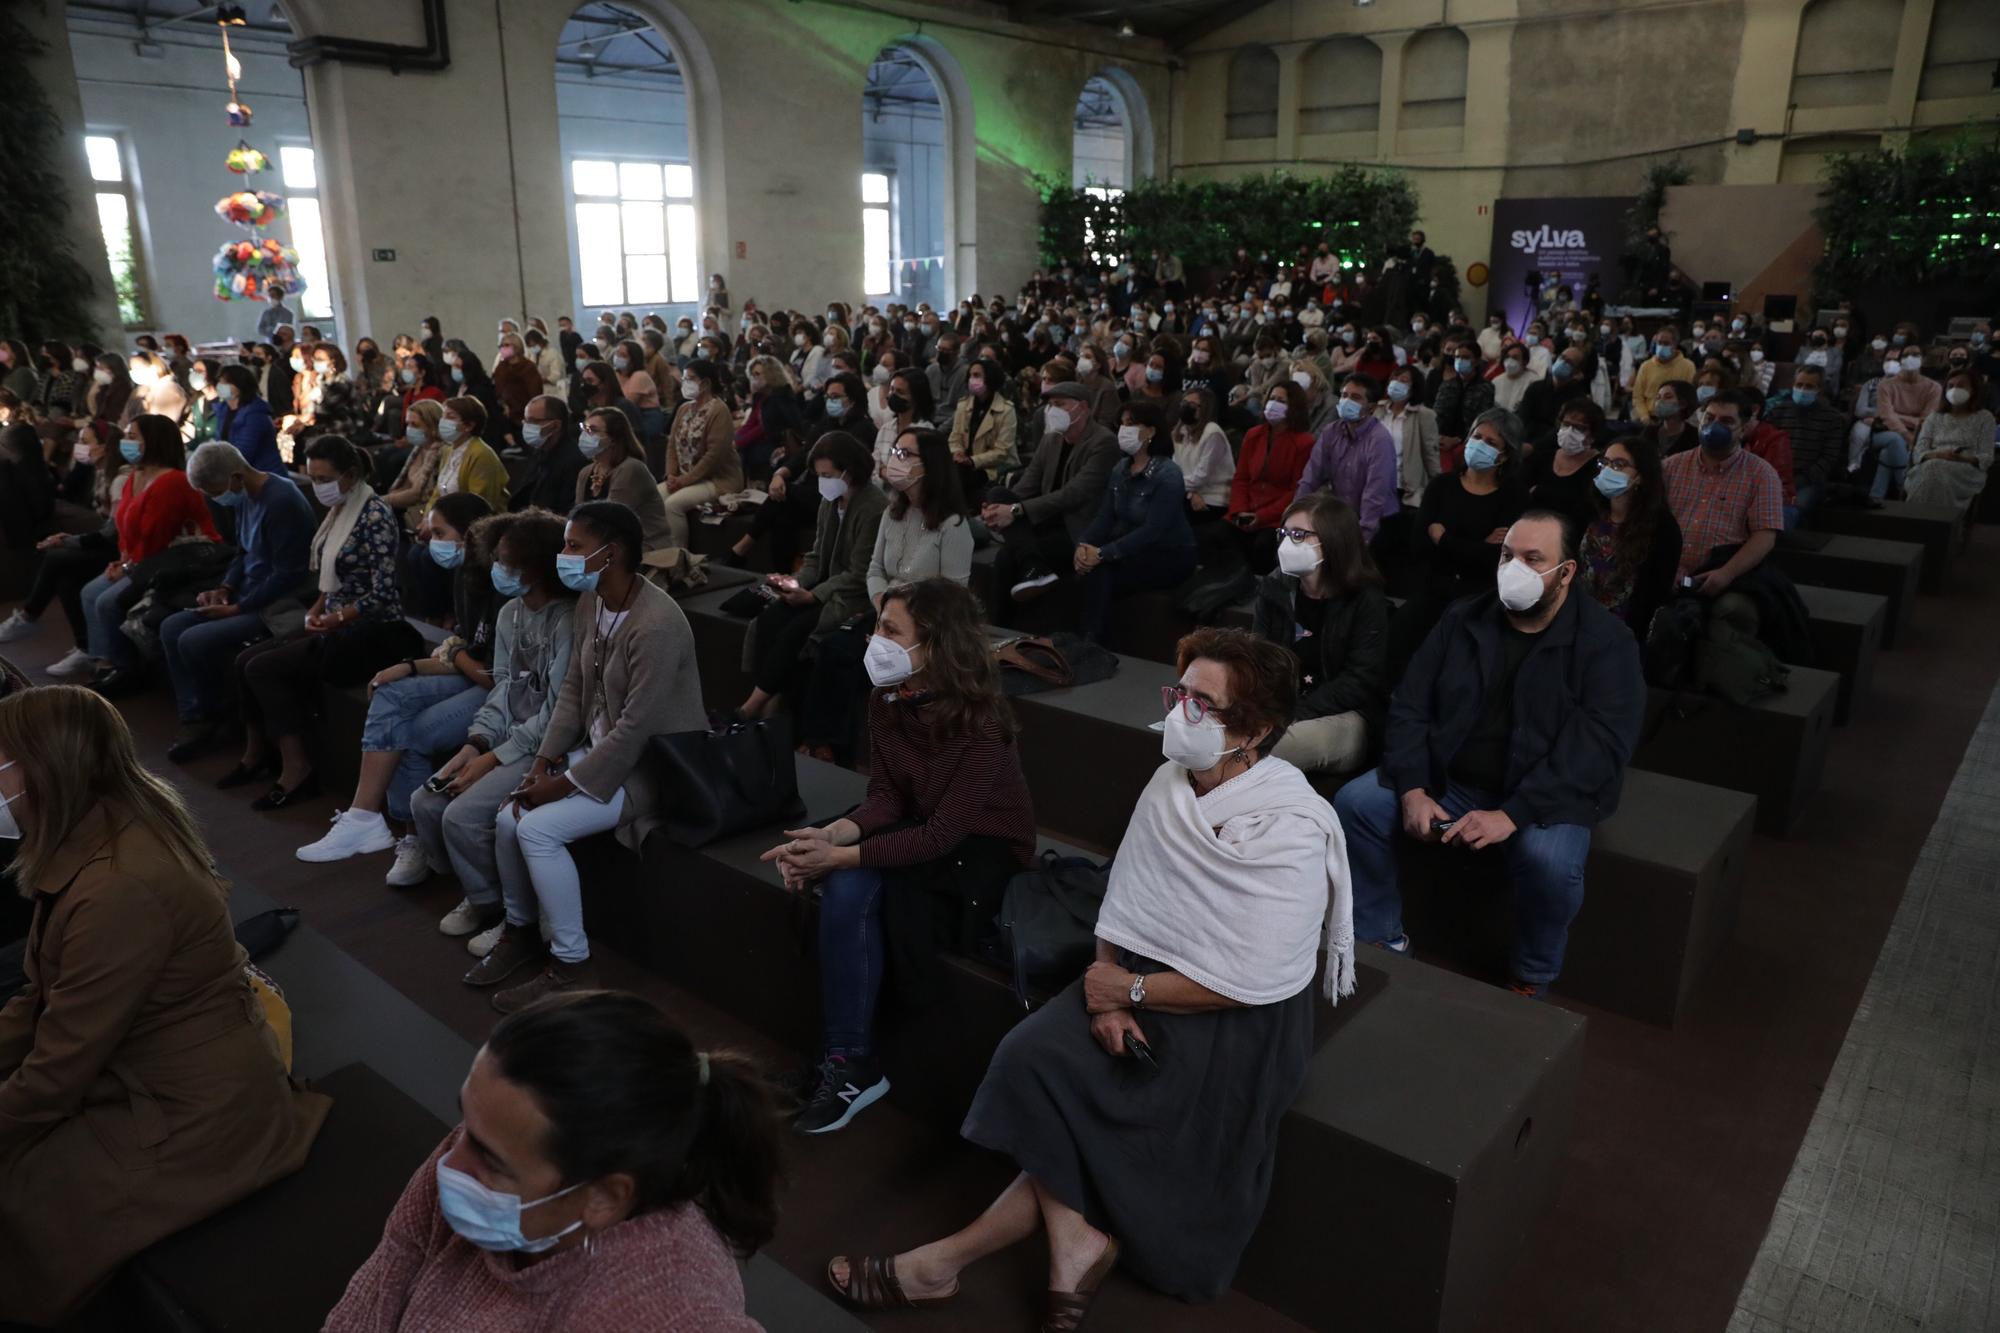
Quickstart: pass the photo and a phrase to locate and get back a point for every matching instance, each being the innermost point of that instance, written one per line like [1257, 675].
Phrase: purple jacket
[1357, 461]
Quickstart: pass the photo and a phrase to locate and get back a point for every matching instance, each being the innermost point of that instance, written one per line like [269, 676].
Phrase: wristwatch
[1138, 992]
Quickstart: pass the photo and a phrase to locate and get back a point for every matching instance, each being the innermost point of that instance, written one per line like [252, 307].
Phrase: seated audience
[1459, 527]
[615, 470]
[1463, 393]
[1225, 875]
[1727, 501]
[830, 587]
[1325, 603]
[702, 462]
[422, 706]
[416, 478]
[1273, 459]
[1560, 477]
[467, 462]
[1767, 442]
[605, 1174]
[632, 677]
[947, 820]
[1202, 452]
[1042, 517]
[1817, 429]
[141, 1089]
[1954, 449]
[272, 568]
[1631, 549]
[1904, 400]
[517, 381]
[1490, 746]
[1140, 539]
[27, 495]
[1666, 365]
[1413, 430]
[774, 414]
[1673, 427]
[243, 419]
[1355, 458]
[548, 480]
[353, 629]
[984, 430]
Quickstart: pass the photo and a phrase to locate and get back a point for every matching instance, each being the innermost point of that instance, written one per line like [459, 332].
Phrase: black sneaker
[847, 1086]
[1033, 581]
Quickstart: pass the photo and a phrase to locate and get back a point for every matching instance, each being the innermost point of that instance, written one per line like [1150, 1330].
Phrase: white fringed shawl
[1230, 888]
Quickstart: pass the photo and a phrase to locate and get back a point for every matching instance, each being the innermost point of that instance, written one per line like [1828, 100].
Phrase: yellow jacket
[479, 470]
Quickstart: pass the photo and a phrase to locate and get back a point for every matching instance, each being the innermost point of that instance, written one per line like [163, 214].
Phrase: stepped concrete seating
[1774, 748]
[1847, 630]
[1144, 624]
[1857, 564]
[281, 1258]
[1419, 1154]
[1933, 527]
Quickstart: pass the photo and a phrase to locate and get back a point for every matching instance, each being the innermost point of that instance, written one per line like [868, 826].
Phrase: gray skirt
[1175, 1163]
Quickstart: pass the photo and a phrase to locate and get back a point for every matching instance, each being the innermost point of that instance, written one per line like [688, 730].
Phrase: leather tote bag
[728, 779]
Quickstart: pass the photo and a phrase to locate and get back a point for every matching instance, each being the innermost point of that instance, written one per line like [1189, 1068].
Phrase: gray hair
[214, 464]
[1505, 422]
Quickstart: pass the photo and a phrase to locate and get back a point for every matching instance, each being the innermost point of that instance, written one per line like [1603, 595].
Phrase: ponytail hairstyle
[625, 1091]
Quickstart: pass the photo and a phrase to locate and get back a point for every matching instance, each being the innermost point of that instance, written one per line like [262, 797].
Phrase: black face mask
[1188, 413]
[898, 403]
[947, 355]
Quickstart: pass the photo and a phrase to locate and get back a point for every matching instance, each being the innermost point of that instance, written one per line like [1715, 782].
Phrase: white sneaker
[354, 833]
[15, 628]
[412, 866]
[463, 919]
[481, 944]
[75, 662]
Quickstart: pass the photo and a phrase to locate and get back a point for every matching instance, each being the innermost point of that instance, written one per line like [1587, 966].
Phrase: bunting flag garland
[244, 270]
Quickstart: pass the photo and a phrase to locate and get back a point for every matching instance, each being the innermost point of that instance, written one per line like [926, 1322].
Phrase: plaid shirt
[1721, 504]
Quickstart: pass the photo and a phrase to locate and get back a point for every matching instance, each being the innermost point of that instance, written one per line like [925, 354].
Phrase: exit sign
[383, 256]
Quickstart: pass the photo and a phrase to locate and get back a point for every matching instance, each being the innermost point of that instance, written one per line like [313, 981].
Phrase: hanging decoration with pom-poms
[243, 159]
[245, 270]
[250, 209]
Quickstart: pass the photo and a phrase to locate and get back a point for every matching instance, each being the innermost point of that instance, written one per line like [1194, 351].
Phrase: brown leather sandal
[1066, 1310]
[872, 1284]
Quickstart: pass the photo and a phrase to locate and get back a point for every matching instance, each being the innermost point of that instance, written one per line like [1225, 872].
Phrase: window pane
[874, 252]
[680, 252]
[680, 180]
[645, 280]
[102, 150]
[599, 261]
[874, 188]
[594, 177]
[297, 165]
[639, 180]
[645, 230]
[310, 240]
[114, 214]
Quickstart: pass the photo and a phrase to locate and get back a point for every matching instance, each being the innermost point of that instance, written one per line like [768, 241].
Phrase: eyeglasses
[1193, 707]
[1298, 534]
[897, 451]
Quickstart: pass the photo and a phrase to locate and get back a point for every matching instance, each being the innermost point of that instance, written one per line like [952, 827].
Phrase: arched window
[1340, 87]
[1101, 145]
[1847, 51]
[1253, 94]
[904, 152]
[1434, 80]
[1963, 50]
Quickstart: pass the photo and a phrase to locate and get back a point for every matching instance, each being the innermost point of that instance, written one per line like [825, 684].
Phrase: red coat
[149, 522]
[1267, 474]
[1774, 446]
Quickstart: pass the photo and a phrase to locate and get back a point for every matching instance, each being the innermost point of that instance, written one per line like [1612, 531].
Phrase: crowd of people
[247, 530]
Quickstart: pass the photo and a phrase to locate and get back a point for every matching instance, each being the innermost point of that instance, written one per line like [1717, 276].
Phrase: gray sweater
[908, 552]
[530, 657]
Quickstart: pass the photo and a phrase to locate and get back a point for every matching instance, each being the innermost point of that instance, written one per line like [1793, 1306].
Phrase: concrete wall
[168, 110]
[909, 145]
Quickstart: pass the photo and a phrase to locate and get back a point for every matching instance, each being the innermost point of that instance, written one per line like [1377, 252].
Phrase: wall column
[1389, 118]
[1911, 40]
[1288, 100]
[1762, 97]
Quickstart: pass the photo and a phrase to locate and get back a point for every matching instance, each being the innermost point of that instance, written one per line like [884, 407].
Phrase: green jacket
[837, 569]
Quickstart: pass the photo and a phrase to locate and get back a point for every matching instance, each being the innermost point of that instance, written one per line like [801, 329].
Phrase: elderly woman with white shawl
[1143, 1102]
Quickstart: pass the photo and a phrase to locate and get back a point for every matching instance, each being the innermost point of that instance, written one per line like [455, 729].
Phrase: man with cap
[1040, 520]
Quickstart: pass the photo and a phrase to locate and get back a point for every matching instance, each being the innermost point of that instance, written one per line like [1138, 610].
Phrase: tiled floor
[1891, 1216]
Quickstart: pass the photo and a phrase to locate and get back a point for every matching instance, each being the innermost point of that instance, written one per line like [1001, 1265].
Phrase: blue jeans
[850, 958]
[418, 717]
[1891, 461]
[1544, 866]
[103, 613]
[199, 650]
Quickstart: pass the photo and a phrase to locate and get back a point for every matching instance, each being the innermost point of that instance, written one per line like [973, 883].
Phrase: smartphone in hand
[1141, 1052]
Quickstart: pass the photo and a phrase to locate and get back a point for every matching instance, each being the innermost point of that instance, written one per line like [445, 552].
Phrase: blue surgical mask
[508, 583]
[1667, 407]
[449, 430]
[130, 450]
[1664, 351]
[489, 1219]
[1462, 364]
[1154, 374]
[407, 375]
[1703, 392]
[197, 381]
[230, 499]
[589, 445]
[1717, 438]
[1349, 410]
[448, 555]
[1611, 484]
[1398, 390]
[1481, 456]
[836, 408]
[458, 374]
[570, 569]
[1561, 370]
[533, 432]
[1805, 397]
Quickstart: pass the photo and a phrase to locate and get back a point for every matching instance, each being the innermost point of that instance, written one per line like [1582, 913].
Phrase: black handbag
[728, 779]
[1049, 922]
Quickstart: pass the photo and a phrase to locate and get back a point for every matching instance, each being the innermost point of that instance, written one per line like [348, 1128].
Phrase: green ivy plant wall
[44, 291]
[1927, 217]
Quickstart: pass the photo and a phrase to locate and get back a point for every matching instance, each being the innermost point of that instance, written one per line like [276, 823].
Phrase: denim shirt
[1143, 513]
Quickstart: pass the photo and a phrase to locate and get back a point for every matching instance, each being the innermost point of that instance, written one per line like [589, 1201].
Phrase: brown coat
[140, 1087]
[701, 446]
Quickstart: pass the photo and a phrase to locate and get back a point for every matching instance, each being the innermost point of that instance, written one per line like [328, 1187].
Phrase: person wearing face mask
[1664, 364]
[1273, 458]
[274, 527]
[775, 414]
[109, 397]
[548, 479]
[1904, 400]
[516, 380]
[1511, 385]
[244, 419]
[1203, 454]
[984, 429]
[1463, 392]
[947, 820]
[1817, 429]
[1769, 443]
[1042, 518]
[1355, 458]
[831, 586]
[1512, 729]
[1413, 431]
[605, 1175]
[1560, 472]
[204, 380]
[1325, 603]
[615, 470]
[1727, 500]
[906, 405]
[465, 463]
[632, 677]
[156, 390]
[1207, 944]
[1091, 363]
[1631, 548]
[136, 1022]
[1569, 376]
[1673, 428]
[1459, 525]
[702, 462]
[1140, 539]
[422, 451]
[1954, 449]
[353, 629]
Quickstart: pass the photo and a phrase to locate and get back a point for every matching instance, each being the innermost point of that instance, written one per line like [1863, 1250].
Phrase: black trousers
[834, 708]
[60, 577]
[277, 681]
[783, 523]
[782, 633]
[1024, 548]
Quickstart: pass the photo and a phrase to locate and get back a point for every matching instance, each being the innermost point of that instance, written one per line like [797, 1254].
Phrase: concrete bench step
[1933, 527]
[1775, 748]
[1847, 629]
[1857, 564]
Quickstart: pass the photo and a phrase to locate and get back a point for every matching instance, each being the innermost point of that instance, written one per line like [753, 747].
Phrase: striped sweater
[931, 794]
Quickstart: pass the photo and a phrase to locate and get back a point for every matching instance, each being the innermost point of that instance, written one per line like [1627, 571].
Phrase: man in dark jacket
[1512, 727]
[549, 479]
[1040, 520]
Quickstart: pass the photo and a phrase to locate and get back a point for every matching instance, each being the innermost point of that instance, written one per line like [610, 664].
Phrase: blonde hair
[840, 342]
[75, 752]
[1319, 380]
[427, 412]
[775, 373]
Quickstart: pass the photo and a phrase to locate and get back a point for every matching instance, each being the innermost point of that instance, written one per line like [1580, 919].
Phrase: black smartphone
[1443, 826]
[1141, 1052]
[436, 784]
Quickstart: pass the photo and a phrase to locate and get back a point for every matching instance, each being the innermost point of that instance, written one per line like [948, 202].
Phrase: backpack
[1048, 922]
[1667, 660]
[1731, 660]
